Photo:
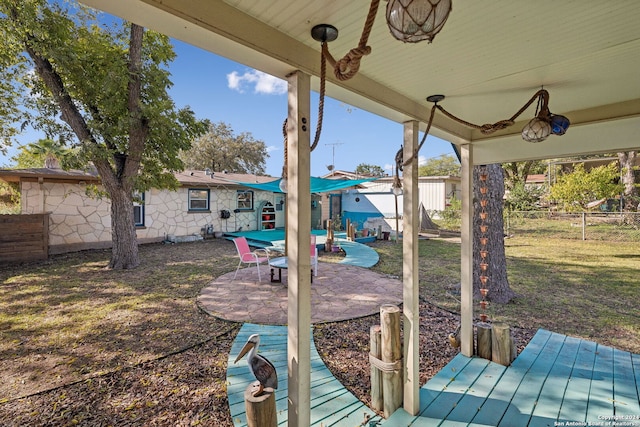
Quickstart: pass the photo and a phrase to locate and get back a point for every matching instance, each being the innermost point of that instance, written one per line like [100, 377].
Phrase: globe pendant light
[413, 21]
[559, 124]
[537, 130]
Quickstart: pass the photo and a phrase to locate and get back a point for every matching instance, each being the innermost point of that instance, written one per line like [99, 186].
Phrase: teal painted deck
[331, 403]
[357, 253]
[556, 380]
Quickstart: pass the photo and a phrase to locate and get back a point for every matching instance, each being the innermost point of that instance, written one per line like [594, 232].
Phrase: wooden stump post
[261, 410]
[484, 340]
[501, 344]
[376, 374]
[391, 355]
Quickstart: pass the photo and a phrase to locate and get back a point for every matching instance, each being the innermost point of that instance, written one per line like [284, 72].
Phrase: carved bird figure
[260, 367]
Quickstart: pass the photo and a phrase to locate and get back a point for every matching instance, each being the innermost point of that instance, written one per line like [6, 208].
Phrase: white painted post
[410, 226]
[298, 241]
[466, 268]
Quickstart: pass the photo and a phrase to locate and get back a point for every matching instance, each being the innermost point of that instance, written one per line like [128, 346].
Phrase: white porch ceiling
[489, 59]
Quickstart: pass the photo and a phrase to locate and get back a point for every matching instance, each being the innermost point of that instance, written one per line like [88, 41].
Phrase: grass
[587, 289]
[71, 320]
[135, 344]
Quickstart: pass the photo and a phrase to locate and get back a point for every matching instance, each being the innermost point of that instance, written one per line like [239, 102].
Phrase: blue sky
[250, 101]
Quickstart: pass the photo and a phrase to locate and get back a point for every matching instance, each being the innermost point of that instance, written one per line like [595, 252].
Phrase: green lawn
[589, 289]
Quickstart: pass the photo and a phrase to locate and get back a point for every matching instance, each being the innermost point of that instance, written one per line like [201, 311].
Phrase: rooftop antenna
[333, 156]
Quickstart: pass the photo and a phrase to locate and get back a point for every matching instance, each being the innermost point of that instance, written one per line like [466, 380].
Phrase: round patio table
[280, 263]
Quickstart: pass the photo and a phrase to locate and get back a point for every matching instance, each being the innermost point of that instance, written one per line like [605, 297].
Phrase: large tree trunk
[498, 285]
[627, 163]
[124, 253]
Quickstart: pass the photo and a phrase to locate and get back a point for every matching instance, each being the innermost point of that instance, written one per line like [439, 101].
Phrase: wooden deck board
[446, 402]
[575, 400]
[555, 380]
[476, 396]
[439, 383]
[331, 403]
[500, 397]
[524, 400]
[601, 390]
[550, 400]
[626, 400]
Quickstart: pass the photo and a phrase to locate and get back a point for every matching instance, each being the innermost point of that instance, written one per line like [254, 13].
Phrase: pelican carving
[260, 367]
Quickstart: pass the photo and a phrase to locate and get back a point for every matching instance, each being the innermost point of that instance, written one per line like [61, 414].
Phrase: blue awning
[318, 185]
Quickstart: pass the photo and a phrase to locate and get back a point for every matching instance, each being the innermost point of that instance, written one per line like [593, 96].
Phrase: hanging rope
[316, 139]
[343, 69]
[399, 163]
[348, 66]
[286, 158]
[323, 81]
[543, 99]
[542, 96]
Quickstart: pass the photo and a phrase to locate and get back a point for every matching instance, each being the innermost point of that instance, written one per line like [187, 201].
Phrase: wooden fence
[24, 237]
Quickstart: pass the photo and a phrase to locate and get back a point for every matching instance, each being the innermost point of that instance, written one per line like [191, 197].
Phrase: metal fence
[606, 226]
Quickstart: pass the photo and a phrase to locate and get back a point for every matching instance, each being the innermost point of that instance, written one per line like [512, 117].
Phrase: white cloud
[388, 167]
[262, 83]
[272, 148]
[422, 160]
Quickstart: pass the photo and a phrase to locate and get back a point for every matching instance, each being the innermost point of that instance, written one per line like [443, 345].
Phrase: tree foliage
[445, 165]
[516, 173]
[220, 149]
[523, 198]
[45, 153]
[365, 169]
[574, 190]
[102, 88]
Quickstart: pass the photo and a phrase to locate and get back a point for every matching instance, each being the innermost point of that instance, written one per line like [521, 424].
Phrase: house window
[198, 199]
[138, 209]
[245, 200]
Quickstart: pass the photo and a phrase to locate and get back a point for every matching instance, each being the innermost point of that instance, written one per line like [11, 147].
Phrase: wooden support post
[376, 375]
[391, 353]
[501, 344]
[261, 410]
[484, 340]
[299, 262]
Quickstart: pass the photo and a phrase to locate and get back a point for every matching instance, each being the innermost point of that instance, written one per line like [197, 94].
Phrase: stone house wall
[78, 221]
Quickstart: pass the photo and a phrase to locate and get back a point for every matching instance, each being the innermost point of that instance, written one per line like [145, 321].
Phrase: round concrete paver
[338, 292]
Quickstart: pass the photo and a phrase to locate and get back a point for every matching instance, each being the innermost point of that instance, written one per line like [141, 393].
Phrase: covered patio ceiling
[489, 59]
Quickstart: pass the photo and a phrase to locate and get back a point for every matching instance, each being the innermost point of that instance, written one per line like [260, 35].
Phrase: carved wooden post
[376, 375]
[501, 344]
[261, 410]
[392, 357]
[484, 340]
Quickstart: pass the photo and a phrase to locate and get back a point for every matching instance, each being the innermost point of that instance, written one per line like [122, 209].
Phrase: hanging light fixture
[545, 123]
[537, 130]
[559, 124]
[413, 21]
